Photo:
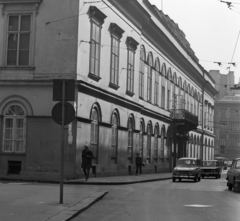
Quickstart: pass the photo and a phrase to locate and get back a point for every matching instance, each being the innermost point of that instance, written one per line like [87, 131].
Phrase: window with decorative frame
[155, 154]
[116, 34]
[114, 137]
[130, 138]
[14, 129]
[163, 85]
[19, 33]
[18, 41]
[94, 133]
[141, 72]
[131, 48]
[162, 145]
[141, 139]
[149, 77]
[156, 84]
[96, 21]
[149, 136]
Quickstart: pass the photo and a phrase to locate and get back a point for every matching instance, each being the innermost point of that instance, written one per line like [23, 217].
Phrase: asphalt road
[206, 200]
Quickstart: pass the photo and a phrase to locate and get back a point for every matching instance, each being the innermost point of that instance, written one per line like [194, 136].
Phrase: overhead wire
[123, 2]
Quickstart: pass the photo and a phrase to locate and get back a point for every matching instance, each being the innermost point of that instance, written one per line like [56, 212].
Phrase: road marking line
[199, 205]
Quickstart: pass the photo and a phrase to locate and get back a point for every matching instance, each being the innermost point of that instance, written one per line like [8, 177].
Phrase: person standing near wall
[139, 163]
[87, 156]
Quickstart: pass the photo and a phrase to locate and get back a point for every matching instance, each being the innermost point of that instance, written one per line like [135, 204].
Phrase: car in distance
[229, 163]
[211, 168]
[187, 168]
[233, 176]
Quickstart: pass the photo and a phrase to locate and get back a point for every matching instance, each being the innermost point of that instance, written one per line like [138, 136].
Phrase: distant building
[227, 116]
[138, 88]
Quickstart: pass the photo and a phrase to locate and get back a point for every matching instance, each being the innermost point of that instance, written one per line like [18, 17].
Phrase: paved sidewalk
[121, 180]
[21, 201]
[33, 201]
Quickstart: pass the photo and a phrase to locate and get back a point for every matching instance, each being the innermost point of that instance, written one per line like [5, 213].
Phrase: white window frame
[7, 14]
[14, 118]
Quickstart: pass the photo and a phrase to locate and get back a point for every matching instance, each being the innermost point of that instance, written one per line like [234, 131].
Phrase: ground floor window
[14, 132]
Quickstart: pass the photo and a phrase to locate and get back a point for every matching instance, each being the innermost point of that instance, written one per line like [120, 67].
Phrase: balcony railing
[182, 114]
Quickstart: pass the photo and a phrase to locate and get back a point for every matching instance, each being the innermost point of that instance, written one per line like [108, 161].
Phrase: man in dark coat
[87, 156]
[139, 163]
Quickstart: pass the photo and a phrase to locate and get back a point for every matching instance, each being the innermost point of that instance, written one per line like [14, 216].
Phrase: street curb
[116, 183]
[86, 207]
[85, 182]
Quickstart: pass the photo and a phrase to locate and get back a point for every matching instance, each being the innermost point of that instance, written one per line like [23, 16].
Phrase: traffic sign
[57, 113]
[69, 93]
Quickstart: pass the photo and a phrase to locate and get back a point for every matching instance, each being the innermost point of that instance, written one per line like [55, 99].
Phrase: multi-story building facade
[227, 117]
[139, 88]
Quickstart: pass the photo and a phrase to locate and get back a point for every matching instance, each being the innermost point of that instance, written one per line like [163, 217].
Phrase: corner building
[139, 88]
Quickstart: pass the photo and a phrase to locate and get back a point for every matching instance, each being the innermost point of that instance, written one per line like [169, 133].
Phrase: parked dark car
[233, 176]
[187, 168]
[211, 168]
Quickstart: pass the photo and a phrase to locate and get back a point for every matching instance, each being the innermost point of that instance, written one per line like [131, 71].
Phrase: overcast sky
[211, 28]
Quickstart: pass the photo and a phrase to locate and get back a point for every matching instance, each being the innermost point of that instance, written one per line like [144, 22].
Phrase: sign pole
[62, 143]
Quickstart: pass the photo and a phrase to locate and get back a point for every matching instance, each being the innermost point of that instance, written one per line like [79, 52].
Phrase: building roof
[230, 98]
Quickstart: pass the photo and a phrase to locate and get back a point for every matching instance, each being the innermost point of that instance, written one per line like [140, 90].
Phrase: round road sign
[68, 110]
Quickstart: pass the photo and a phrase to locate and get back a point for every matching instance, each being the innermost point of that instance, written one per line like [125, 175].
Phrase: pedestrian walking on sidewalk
[87, 156]
[139, 163]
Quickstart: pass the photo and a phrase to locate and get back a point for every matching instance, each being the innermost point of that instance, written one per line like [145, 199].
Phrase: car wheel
[173, 179]
[180, 179]
[216, 176]
[199, 179]
[235, 186]
[195, 179]
[229, 186]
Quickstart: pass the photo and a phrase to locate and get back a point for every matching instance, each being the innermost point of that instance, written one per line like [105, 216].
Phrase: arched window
[94, 132]
[155, 154]
[162, 144]
[169, 77]
[174, 93]
[156, 83]
[14, 132]
[141, 75]
[149, 77]
[149, 135]
[114, 137]
[163, 86]
[141, 139]
[130, 138]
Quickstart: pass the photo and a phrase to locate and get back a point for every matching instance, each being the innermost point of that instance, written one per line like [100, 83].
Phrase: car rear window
[238, 164]
[210, 163]
[186, 163]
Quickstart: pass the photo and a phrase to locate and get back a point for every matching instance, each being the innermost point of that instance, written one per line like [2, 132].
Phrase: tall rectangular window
[96, 21]
[141, 72]
[131, 48]
[14, 129]
[114, 60]
[95, 49]
[163, 97]
[19, 35]
[156, 88]
[168, 100]
[114, 138]
[130, 70]
[149, 84]
[116, 34]
[155, 147]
